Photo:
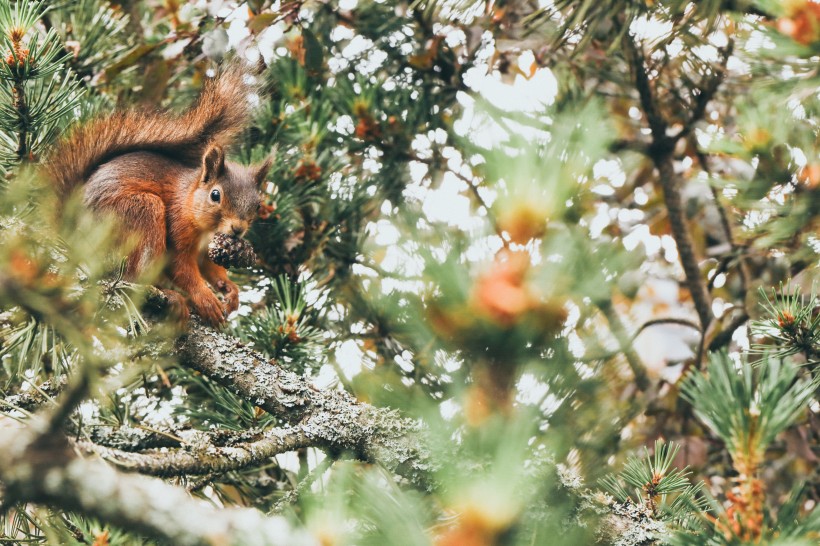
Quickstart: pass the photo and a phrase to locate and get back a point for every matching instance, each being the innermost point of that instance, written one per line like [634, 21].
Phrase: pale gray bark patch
[329, 419]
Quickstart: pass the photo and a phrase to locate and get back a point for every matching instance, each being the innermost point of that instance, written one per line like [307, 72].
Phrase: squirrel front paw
[209, 308]
[231, 292]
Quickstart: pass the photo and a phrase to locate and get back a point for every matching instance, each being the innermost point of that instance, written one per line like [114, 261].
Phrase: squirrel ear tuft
[261, 174]
[213, 164]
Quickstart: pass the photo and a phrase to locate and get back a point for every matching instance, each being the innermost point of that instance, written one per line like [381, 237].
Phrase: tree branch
[328, 419]
[294, 494]
[332, 420]
[49, 473]
[35, 398]
[205, 459]
[661, 152]
[126, 438]
[625, 343]
[666, 320]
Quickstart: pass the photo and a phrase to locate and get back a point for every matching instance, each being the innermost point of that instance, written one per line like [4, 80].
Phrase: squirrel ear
[213, 164]
[261, 173]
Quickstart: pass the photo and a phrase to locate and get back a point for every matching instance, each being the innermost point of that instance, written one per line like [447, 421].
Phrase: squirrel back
[218, 115]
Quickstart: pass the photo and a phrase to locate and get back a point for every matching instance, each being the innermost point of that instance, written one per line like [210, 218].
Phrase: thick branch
[50, 474]
[328, 419]
[331, 420]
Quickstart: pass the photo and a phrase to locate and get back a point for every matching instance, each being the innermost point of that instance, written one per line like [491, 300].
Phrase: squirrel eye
[215, 196]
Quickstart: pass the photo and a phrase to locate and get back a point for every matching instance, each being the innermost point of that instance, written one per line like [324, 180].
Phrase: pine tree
[523, 273]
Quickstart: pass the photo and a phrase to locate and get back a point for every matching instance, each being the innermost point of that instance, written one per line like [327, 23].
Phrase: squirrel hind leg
[142, 220]
[177, 306]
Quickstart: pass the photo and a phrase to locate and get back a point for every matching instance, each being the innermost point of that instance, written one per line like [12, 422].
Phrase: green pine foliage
[791, 324]
[747, 409]
[287, 330]
[652, 482]
[39, 91]
[95, 34]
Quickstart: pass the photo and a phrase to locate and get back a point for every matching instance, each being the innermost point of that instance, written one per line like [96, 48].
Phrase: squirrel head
[226, 197]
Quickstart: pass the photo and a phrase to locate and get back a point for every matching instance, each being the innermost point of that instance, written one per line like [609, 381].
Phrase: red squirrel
[165, 180]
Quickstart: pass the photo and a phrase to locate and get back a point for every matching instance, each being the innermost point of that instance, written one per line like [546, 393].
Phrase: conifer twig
[293, 495]
[618, 329]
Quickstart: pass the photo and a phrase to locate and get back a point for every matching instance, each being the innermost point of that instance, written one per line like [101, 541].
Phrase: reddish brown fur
[216, 118]
[157, 174]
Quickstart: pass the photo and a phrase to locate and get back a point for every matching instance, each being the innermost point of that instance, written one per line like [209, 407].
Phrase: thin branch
[31, 400]
[472, 184]
[125, 438]
[76, 391]
[683, 239]
[707, 90]
[661, 153]
[205, 459]
[722, 338]
[644, 326]
[293, 495]
[728, 232]
[656, 121]
[667, 320]
[622, 144]
[619, 331]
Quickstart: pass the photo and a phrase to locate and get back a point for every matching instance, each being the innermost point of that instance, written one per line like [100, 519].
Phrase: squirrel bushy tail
[218, 115]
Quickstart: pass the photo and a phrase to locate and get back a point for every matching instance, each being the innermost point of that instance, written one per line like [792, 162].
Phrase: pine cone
[229, 251]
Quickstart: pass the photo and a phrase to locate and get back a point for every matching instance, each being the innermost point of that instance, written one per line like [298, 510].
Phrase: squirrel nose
[237, 229]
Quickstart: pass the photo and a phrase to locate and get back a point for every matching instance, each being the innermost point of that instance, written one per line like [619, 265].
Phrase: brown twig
[728, 232]
[722, 338]
[661, 152]
[618, 329]
[666, 320]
